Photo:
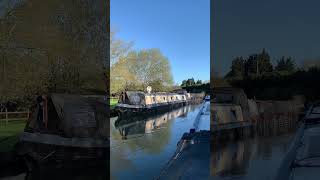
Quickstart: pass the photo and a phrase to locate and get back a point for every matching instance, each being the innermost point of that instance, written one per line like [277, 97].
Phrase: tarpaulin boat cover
[135, 97]
[78, 116]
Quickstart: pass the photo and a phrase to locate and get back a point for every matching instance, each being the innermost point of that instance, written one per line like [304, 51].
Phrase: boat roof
[192, 162]
[74, 109]
[79, 115]
[129, 93]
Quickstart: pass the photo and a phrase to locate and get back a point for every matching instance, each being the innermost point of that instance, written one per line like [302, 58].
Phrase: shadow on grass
[9, 134]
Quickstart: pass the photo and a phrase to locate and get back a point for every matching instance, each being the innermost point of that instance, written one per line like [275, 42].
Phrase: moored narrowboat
[65, 128]
[137, 102]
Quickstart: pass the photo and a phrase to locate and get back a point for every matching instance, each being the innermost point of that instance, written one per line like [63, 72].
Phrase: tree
[139, 69]
[184, 83]
[263, 63]
[310, 63]
[237, 68]
[199, 82]
[258, 64]
[121, 78]
[55, 46]
[251, 65]
[285, 64]
[150, 66]
[118, 48]
[190, 82]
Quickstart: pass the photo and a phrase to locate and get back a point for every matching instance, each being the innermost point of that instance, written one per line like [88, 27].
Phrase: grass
[9, 133]
[113, 103]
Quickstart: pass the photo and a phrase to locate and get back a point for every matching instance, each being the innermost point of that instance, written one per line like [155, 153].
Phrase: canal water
[251, 158]
[141, 147]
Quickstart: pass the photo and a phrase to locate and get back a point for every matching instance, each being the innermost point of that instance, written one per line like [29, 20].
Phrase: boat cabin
[141, 98]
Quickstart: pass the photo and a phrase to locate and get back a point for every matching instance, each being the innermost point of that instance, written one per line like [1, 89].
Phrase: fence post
[6, 116]
[28, 114]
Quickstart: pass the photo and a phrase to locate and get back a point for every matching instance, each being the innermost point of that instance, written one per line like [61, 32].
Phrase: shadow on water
[255, 157]
[85, 170]
[138, 141]
[81, 173]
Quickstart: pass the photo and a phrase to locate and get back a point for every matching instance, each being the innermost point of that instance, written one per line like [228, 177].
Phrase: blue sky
[283, 27]
[179, 28]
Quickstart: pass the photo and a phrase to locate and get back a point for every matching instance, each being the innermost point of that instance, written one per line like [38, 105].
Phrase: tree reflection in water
[142, 145]
[253, 157]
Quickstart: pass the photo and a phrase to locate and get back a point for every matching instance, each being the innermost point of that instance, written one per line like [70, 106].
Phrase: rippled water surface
[252, 158]
[141, 147]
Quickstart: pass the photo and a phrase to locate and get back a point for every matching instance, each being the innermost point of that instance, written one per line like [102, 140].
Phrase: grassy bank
[113, 103]
[9, 133]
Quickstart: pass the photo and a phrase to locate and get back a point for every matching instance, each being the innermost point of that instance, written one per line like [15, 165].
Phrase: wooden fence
[14, 116]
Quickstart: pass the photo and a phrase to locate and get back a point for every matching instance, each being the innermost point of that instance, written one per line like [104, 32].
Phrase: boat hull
[43, 148]
[125, 110]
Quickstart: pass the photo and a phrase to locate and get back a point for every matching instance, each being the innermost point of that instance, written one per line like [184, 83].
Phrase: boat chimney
[149, 89]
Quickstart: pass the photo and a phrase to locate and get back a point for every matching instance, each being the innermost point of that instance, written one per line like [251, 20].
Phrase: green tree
[121, 78]
[251, 65]
[139, 69]
[258, 64]
[184, 83]
[237, 68]
[150, 66]
[55, 46]
[118, 48]
[199, 82]
[310, 63]
[264, 63]
[285, 64]
[190, 82]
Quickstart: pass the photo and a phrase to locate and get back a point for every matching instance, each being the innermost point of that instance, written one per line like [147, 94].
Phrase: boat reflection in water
[257, 157]
[54, 172]
[137, 141]
[139, 125]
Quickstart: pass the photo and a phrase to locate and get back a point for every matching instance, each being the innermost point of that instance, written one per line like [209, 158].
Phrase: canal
[141, 147]
[250, 158]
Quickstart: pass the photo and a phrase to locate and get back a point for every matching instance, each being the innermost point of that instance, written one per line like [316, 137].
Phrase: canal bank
[150, 143]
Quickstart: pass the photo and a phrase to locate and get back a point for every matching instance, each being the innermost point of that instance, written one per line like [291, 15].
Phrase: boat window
[164, 98]
[153, 99]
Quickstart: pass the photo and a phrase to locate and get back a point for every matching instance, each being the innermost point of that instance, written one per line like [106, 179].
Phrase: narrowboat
[302, 160]
[138, 102]
[191, 159]
[65, 128]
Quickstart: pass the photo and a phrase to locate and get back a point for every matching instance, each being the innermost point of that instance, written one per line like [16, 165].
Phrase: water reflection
[54, 172]
[256, 157]
[141, 146]
[144, 124]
